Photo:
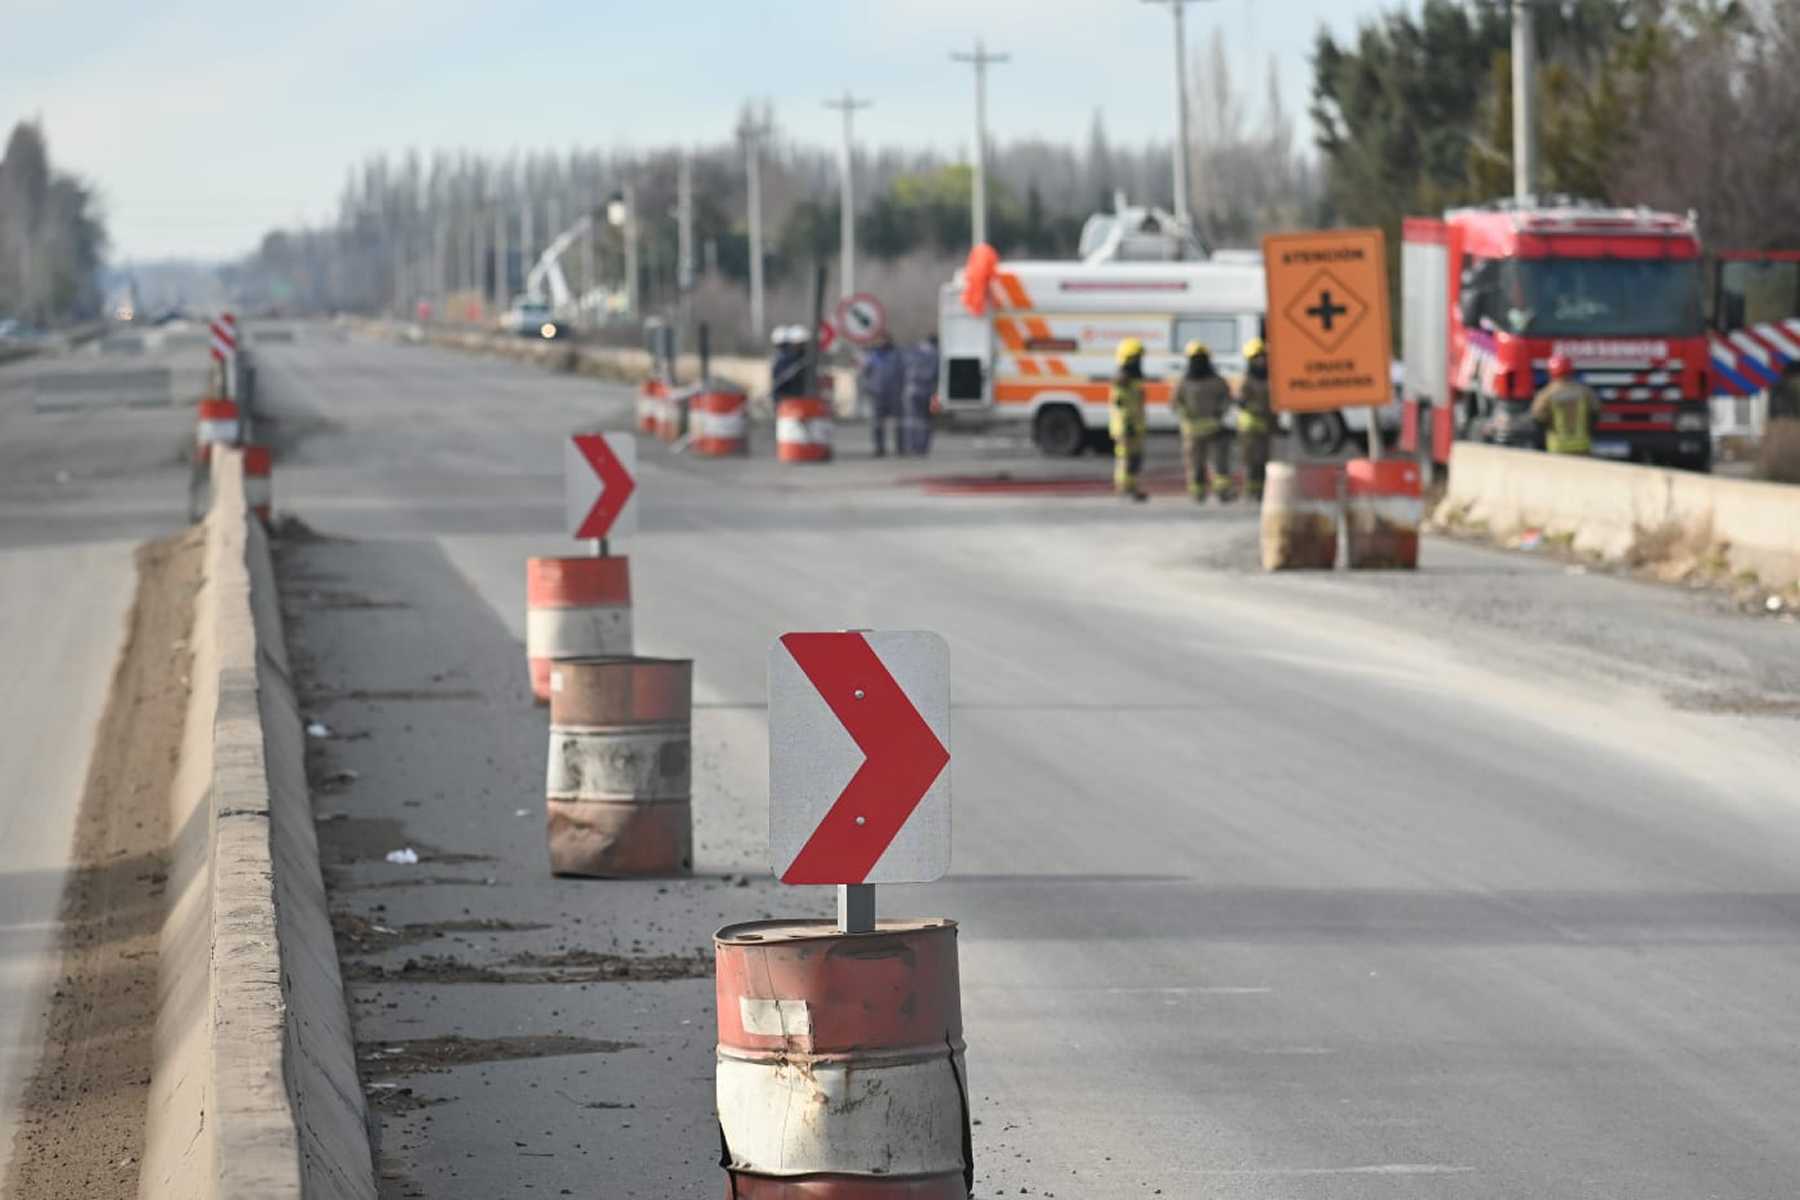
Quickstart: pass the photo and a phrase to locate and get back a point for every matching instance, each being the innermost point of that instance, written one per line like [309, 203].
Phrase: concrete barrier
[622, 364]
[1624, 513]
[253, 1087]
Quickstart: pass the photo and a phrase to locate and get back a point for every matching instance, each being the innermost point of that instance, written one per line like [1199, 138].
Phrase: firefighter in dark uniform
[1127, 424]
[1256, 417]
[1565, 409]
[1200, 404]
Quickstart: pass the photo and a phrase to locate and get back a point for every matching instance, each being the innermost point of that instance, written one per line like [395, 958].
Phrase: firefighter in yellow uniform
[1127, 424]
[1200, 404]
[1256, 417]
[1565, 409]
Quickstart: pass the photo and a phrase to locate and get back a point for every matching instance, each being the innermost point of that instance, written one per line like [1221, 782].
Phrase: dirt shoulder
[81, 1117]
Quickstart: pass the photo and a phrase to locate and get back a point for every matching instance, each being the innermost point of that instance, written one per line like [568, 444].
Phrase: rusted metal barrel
[1300, 510]
[574, 608]
[619, 779]
[259, 468]
[803, 430]
[1384, 505]
[840, 1071]
[719, 421]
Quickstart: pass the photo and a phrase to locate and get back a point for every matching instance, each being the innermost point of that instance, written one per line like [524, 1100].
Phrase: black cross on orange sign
[1325, 310]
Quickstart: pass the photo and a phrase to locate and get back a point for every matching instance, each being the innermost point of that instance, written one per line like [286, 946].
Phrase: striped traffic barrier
[1384, 506]
[217, 424]
[649, 405]
[259, 465]
[803, 430]
[671, 416]
[1300, 513]
[618, 784]
[840, 1062]
[574, 608]
[719, 423]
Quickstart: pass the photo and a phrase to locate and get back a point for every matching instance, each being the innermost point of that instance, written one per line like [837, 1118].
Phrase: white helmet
[798, 335]
[779, 336]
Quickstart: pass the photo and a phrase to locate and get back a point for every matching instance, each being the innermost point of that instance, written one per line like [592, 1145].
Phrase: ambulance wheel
[1321, 434]
[1059, 431]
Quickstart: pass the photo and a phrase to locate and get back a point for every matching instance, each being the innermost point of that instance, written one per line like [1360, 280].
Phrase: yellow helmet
[1198, 347]
[1254, 348]
[1129, 349]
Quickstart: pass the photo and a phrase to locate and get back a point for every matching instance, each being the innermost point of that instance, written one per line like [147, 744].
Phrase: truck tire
[1321, 434]
[1059, 431]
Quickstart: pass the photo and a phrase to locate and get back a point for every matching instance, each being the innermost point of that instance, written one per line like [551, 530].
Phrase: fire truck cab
[1041, 351]
[1616, 290]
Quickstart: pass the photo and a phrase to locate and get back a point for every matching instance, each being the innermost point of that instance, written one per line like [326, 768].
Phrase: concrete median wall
[1621, 512]
[253, 1086]
[620, 364]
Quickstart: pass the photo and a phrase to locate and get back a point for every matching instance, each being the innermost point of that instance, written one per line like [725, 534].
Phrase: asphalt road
[87, 470]
[1475, 882]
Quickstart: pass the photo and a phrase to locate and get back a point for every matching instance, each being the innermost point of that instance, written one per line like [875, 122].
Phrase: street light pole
[1524, 54]
[753, 130]
[847, 220]
[980, 59]
[1183, 168]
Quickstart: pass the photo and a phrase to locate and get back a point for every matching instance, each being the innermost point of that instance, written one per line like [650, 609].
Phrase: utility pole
[684, 243]
[1524, 55]
[753, 130]
[978, 202]
[1183, 168]
[847, 193]
[631, 252]
[500, 296]
[527, 238]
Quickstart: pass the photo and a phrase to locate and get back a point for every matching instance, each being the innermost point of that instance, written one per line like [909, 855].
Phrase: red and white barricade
[574, 608]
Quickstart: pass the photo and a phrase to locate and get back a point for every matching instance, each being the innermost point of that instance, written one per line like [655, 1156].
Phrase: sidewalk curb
[253, 1088]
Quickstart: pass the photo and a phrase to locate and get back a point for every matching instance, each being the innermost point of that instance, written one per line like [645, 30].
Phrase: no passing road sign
[861, 318]
[859, 756]
[600, 484]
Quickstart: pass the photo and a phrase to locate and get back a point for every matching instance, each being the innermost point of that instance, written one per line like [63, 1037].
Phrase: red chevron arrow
[616, 485]
[902, 757]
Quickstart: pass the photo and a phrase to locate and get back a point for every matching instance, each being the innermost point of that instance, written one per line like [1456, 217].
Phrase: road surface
[1475, 882]
[86, 472]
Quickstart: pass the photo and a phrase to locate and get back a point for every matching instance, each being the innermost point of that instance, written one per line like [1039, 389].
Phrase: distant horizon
[198, 149]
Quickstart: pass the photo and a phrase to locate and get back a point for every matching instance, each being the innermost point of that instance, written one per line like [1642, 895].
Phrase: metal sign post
[859, 737]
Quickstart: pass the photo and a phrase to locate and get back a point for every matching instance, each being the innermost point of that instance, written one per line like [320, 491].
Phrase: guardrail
[253, 1086]
[1624, 513]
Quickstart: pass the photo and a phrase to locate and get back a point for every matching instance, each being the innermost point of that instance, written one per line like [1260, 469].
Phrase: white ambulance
[1042, 351]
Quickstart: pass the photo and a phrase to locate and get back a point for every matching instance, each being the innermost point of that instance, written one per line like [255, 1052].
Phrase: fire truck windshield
[1601, 297]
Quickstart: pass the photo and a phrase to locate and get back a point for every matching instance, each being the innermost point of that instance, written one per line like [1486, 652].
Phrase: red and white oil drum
[1300, 516]
[259, 469]
[217, 424]
[574, 608]
[617, 790]
[840, 1062]
[719, 423]
[803, 430]
[1384, 505]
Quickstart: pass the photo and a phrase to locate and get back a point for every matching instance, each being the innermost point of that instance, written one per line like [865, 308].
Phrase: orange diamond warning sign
[1328, 319]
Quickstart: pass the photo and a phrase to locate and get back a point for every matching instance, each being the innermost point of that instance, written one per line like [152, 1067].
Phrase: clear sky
[206, 124]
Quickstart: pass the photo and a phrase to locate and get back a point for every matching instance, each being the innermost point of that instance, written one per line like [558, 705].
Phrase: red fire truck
[1505, 286]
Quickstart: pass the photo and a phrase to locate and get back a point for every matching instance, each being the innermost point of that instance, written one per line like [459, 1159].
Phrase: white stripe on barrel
[574, 608]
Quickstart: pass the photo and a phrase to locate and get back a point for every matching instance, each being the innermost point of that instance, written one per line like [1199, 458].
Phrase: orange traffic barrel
[803, 430]
[671, 416]
[719, 421]
[1300, 510]
[649, 405]
[259, 467]
[574, 608]
[217, 424]
[840, 1062]
[1384, 505]
[619, 779]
